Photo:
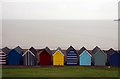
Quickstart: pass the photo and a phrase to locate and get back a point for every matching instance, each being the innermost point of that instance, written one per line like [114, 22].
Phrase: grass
[66, 71]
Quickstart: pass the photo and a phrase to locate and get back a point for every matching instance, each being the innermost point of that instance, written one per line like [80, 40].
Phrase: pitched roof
[81, 50]
[28, 51]
[33, 50]
[59, 50]
[95, 50]
[6, 50]
[70, 48]
[19, 49]
[111, 51]
[100, 51]
[48, 50]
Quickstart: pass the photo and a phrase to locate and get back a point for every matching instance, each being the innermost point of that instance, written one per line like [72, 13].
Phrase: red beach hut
[45, 57]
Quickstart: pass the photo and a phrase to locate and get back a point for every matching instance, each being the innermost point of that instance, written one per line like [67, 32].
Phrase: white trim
[2, 63]
[2, 60]
[27, 52]
[71, 54]
[58, 51]
[2, 55]
[84, 52]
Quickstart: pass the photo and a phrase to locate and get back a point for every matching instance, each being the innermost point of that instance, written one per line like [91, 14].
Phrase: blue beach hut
[84, 57]
[15, 56]
[113, 57]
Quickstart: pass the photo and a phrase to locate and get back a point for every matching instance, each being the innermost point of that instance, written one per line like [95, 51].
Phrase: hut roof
[45, 49]
[71, 48]
[81, 50]
[101, 51]
[33, 50]
[48, 50]
[6, 50]
[95, 50]
[57, 50]
[19, 49]
[110, 51]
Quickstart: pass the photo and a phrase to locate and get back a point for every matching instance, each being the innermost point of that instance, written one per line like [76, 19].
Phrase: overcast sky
[54, 23]
[60, 9]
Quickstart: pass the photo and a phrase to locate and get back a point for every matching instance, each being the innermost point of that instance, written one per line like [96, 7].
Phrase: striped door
[72, 58]
[2, 58]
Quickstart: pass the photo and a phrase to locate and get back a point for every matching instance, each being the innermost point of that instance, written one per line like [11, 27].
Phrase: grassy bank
[66, 71]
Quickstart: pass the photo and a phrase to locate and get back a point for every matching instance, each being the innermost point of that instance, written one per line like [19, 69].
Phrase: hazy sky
[54, 23]
[60, 9]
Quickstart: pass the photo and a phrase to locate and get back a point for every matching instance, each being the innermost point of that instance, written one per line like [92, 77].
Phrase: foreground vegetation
[66, 71]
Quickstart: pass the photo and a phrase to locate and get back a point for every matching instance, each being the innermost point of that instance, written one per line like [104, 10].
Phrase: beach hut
[58, 57]
[15, 56]
[29, 57]
[84, 57]
[45, 57]
[4, 53]
[2, 58]
[6, 50]
[113, 57]
[72, 56]
[99, 57]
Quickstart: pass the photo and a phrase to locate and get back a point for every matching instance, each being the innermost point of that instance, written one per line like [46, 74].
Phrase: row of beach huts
[59, 57]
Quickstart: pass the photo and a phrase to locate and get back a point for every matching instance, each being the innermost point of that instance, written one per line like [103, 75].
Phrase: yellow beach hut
[58, 57]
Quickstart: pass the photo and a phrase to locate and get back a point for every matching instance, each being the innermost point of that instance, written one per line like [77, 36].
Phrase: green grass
[66, 71]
